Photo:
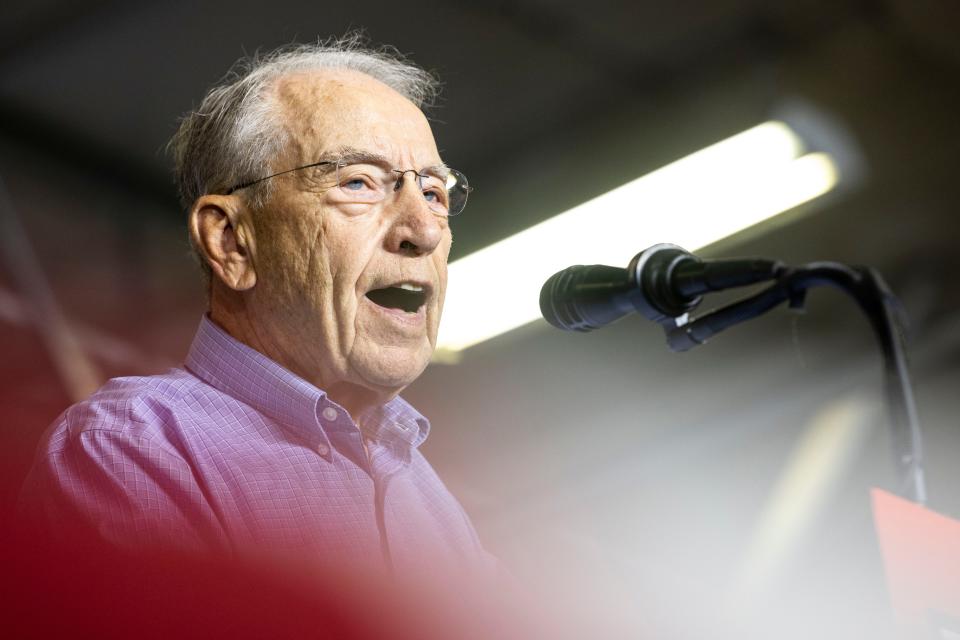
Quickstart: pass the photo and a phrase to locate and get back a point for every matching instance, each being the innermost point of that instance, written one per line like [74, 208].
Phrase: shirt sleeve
[126, 489]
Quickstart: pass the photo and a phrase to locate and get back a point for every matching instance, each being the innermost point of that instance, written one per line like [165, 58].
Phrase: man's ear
[220, 229]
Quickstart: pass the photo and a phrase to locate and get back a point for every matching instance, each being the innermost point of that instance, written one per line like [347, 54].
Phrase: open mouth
[404, 296]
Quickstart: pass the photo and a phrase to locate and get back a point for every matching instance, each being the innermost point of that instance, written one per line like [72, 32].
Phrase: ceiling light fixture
[695, 201]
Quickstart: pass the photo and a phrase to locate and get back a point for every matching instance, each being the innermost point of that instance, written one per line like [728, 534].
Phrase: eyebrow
[354, 155]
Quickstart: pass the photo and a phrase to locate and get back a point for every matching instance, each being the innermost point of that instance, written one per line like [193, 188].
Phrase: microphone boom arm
[883, 310]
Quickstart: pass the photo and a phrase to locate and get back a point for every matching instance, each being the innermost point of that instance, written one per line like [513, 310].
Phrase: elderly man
[319, 206]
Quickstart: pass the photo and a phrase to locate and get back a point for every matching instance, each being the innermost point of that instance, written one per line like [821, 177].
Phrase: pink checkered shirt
[234, 452]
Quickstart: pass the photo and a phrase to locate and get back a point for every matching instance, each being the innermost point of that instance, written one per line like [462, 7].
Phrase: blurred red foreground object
[88, 590]
[921, 556]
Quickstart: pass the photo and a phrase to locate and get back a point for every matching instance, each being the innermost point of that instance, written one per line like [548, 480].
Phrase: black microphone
[662, 282]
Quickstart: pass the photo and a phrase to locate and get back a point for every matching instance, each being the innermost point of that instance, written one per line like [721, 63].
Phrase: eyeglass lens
[445, 191]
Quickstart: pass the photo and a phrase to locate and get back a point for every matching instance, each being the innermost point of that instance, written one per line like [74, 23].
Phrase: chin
[390, 370]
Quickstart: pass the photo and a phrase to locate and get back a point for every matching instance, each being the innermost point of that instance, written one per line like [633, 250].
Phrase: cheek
[282, 264]
[443, 251]
[440, 262]
[348, 247]
[315, 258]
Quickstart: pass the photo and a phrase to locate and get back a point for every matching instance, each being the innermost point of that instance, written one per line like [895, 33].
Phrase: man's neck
[355, 398]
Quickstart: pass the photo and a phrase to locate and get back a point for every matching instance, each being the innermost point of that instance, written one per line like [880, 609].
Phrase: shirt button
[329, 413]
[323, 449]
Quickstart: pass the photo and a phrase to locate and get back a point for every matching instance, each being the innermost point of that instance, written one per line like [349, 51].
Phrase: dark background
[601, 468]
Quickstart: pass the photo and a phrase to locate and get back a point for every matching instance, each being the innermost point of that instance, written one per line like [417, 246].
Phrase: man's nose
[415, 228]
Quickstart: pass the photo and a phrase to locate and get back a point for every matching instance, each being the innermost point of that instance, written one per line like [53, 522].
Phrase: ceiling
[117, 74]
[99, 85]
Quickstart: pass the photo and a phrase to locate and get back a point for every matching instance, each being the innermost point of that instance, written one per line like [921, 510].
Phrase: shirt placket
[384, 464]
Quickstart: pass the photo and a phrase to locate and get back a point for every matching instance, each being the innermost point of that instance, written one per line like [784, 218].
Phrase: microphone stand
[867, 287]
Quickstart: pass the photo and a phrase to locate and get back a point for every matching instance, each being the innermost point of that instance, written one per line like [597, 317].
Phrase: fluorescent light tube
[692, 202]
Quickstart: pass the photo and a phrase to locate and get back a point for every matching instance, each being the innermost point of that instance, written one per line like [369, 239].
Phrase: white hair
[235, 133]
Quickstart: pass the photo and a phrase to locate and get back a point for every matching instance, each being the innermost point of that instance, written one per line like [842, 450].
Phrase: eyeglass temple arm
[244, 185]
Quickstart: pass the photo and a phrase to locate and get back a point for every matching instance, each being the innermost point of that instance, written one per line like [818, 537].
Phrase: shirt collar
[251, 377]
[396, 421]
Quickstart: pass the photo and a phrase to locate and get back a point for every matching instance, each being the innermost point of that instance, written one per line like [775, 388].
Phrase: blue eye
[433, 190]
[354, 185]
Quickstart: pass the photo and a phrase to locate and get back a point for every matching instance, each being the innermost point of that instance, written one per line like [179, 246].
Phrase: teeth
[406, 286]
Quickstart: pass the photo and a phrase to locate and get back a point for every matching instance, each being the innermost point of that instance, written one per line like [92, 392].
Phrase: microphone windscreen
[584, 298]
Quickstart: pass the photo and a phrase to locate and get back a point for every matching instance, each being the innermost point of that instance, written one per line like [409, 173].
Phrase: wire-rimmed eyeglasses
[445, 190]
